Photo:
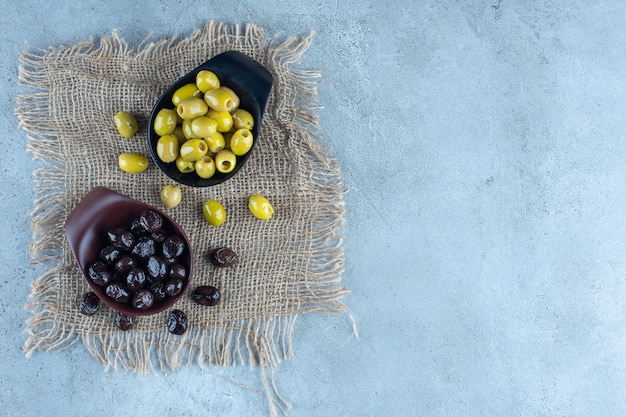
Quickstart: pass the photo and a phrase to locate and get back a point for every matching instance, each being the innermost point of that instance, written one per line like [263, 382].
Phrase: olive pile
[141, 264]
[206, 130]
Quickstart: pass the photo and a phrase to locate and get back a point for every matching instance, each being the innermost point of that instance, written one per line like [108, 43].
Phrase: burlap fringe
[264, 342]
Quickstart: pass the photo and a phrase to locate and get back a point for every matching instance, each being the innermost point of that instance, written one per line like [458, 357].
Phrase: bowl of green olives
[204, 127]
[136, 259]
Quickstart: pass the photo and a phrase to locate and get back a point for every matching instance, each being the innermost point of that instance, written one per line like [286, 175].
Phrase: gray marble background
[483, 147]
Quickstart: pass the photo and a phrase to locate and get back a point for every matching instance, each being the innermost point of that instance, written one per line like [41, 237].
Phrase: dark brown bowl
[102, 210]
[248, 79]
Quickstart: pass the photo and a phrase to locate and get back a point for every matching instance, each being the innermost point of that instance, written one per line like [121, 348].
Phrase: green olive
[219, 99]
[167, 148]
[243, 119]
[201, 127]
[191, 108]
[215, 142]
[223, 119]
[260, 207]
[227, 136]
[185, 92]
[165, 122]
[241, 142]
[171, 195]
[234, 96]
[225, 161]
[184, 166]
[132, 163]
[214, 212]
[205, 167]
[193, 149]
[178, 132]
[187, 131]
[207, 80]
[125, 124]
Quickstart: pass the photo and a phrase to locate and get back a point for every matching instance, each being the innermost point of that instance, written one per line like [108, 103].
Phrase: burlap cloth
[288, 266]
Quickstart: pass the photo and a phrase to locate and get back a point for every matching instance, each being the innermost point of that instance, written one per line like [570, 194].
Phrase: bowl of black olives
[204, 127]
[135, 258]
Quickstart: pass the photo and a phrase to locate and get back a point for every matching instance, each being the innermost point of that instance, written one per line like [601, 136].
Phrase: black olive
[90, 303]
[151, 221]
[223, 257]
[124, 321]
[173, 247]
[99, 273]
[177, 322]
[206, 295]
[117, 292]
[143, 300]
[121, 238]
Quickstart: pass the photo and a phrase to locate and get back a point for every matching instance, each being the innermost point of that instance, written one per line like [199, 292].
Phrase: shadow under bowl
[86, 230]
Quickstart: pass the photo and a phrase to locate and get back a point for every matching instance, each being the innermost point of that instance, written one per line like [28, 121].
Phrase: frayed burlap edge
[260, 343]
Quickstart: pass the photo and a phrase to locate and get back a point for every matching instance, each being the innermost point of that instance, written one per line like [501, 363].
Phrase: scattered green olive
[225, 161]
[125, 124]
[241, 142]
[214, 212]
[207, 80]
[260, 207]
[171, 195]
[165, 122]
[193, 149]
[205, 167]
[167, 148]
[133, 163]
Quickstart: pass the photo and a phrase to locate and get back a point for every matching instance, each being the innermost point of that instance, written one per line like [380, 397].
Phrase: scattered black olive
[124, 321]
[90, 303]
[177, 322]
[206, 295]
[223, 257]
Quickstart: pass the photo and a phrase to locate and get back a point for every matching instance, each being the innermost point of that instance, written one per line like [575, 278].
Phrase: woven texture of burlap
[288, 266]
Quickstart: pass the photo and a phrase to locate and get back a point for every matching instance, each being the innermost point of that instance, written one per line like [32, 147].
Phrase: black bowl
[248, 79]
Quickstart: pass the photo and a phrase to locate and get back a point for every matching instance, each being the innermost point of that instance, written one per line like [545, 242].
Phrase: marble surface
[483, 147]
